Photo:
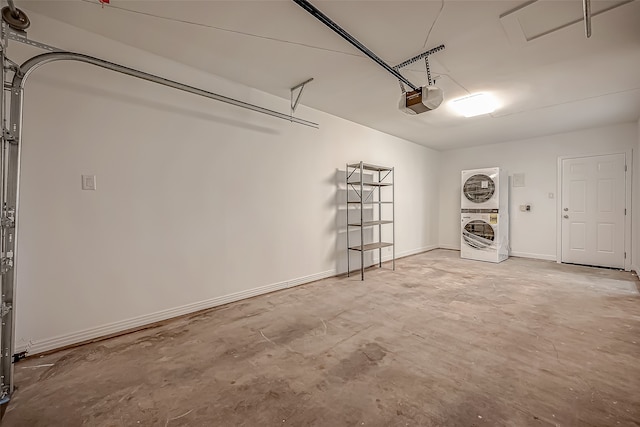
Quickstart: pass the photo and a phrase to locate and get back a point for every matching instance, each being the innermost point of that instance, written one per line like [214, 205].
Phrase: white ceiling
[558, 82]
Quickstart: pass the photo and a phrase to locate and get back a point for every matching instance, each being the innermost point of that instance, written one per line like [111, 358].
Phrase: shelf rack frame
[365, 190]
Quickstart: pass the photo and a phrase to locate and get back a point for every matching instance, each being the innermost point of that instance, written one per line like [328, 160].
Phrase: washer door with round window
[479, 234]
[480, 189]
[482, 238]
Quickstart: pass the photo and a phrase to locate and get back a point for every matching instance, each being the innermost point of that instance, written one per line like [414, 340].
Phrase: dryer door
[478, 234]
[479, 188]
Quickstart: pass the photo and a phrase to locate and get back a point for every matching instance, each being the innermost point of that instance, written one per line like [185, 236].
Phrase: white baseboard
[39, 346]
[416, 251]
[450, 247]
[636, 269]
[517, 254]
[403, 254]
[457, 248]
[532, 255]
[512, 253]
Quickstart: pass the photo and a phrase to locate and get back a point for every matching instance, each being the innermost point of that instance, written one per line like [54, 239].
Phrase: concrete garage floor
[439, 342]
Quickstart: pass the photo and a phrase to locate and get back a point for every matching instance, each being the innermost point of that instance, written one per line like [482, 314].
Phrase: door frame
[628, 176]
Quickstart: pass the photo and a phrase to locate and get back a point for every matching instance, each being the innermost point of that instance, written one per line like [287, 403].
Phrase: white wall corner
[450, 247]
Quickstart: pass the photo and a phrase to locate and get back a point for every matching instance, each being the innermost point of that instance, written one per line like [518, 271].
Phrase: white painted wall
[198, 203]
[532, 234]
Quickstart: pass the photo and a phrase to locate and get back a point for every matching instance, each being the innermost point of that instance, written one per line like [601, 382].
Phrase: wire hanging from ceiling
[213, 27]
[450, 77]
[433, 24]
[437, 76]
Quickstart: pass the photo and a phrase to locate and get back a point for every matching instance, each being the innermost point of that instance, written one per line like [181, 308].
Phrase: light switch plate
[88, 182]
[518, 180]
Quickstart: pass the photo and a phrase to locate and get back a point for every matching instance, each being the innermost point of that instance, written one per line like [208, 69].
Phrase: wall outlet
[88, 182]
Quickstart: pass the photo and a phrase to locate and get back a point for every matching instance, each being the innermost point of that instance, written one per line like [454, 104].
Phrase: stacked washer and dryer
[485, 215]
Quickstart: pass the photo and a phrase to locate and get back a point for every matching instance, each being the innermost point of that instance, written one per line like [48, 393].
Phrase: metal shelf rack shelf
[368, 191]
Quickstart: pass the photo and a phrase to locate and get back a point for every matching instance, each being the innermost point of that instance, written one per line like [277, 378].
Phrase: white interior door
[593, 210]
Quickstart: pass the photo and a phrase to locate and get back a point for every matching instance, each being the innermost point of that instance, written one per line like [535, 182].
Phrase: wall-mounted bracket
[8, 136]
[8, 219]
[21, 36]
[11, 66]
[4, 309]
[6, 264]
[294, 104]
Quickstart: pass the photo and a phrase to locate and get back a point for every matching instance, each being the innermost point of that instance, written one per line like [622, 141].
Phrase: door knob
[566, 216]
[566, 209]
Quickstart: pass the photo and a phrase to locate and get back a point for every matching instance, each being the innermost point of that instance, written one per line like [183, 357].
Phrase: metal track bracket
[21, 36]
[6, 263]
[419, 57]
[11, 66]
[8, 218]
[4, 309]
[294, 104]
[416, 58]
[8, 136]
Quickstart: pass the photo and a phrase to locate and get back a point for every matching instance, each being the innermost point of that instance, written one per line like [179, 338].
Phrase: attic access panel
[539, 18]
